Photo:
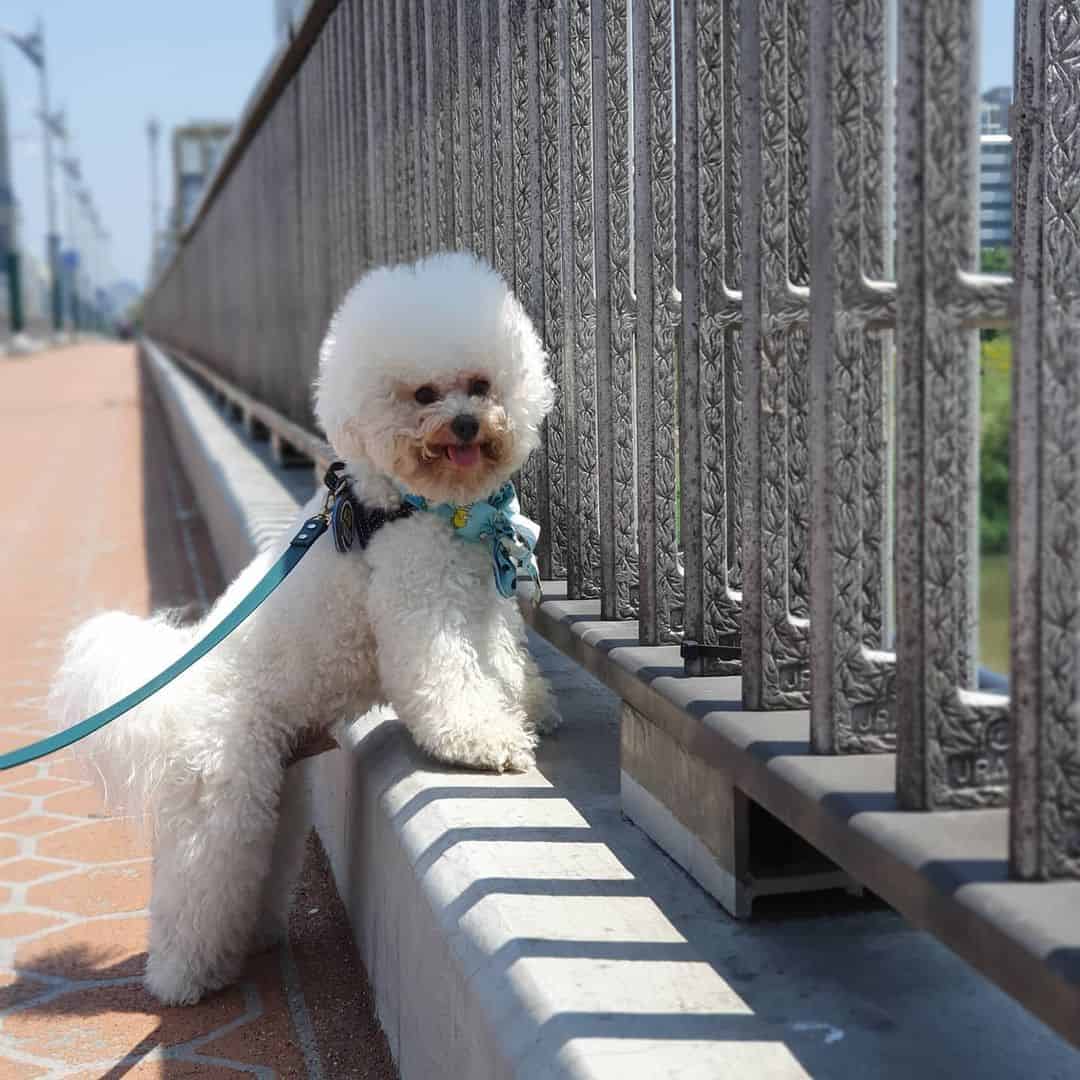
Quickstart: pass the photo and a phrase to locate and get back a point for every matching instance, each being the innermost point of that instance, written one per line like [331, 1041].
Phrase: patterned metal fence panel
[689, 197]
[775, 214]
[710, 370]
[853, 699]
[615, 306]
[1045, 469]
[953, 743]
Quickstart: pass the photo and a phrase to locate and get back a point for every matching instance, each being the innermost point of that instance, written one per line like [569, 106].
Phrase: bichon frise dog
[432, 382]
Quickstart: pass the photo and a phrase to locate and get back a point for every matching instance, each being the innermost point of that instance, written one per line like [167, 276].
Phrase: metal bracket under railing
[696, 657]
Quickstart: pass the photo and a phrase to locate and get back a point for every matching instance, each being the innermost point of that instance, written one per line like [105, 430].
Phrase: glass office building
[995, 190]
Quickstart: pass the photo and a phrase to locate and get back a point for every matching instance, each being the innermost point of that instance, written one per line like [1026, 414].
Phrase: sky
[114, 63]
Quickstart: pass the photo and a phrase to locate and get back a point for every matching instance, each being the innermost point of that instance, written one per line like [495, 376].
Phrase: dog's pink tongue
[465, 456]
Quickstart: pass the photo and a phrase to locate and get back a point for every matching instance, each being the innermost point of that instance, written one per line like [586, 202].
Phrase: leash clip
[338, 511]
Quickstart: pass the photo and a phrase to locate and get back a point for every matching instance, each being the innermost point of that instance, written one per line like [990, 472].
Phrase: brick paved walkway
[96, 513]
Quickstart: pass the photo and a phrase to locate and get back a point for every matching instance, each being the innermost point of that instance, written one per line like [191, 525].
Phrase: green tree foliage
[994, 408]
[996, 260]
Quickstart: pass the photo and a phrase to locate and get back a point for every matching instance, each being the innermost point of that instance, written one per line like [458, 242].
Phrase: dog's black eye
[479, 388]
[426, 395]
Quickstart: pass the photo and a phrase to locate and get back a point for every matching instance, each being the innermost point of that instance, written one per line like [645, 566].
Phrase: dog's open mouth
[464, 457]
[461, 455]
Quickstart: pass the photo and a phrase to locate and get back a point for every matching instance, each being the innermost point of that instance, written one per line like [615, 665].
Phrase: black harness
[351, 521]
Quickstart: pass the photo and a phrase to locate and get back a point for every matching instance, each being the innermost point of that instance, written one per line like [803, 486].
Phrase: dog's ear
[348, 362]
[336, 389]
[535, 394]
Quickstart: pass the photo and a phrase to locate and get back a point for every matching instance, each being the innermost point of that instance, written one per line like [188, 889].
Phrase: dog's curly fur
[414, 621]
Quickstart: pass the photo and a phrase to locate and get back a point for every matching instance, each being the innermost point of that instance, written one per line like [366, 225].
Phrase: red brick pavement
[96, 514]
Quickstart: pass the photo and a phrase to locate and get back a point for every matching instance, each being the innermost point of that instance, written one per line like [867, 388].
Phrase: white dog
[431, 381]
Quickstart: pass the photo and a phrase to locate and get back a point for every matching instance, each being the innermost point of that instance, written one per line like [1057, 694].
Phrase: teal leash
[298, 547]
[512, 535]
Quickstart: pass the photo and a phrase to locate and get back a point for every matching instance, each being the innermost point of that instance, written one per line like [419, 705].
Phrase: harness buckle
[335, 480]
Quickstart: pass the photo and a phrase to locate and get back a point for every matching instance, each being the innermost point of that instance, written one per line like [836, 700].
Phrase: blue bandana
[498, 521]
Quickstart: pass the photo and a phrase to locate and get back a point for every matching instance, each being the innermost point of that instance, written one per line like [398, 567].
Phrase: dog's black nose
[465, 427]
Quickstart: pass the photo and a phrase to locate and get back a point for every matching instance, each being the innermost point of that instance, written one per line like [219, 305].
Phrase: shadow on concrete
[104, 994]
[1066, 961]
[846, 804]
[843, 983]
[181, 566]
[78, 982]
[850, 992]
[432, 795]
[948, 875]
[494, 834]
[768, 749]
[700, 708]
[495, 886]
[93, 988]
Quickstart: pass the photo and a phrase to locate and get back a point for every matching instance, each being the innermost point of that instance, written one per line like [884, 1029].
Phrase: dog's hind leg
[286, 862]
[210, 867]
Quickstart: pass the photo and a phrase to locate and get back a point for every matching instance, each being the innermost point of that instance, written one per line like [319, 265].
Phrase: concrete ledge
[946, 872]
[519, 926]
[246, 500]
[709, 826]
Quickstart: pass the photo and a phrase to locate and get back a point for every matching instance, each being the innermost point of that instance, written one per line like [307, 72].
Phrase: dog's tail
[104, 659]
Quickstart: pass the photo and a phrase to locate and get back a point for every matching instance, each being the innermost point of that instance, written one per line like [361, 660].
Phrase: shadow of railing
[181, 567]
[78, 982]
[817, 977]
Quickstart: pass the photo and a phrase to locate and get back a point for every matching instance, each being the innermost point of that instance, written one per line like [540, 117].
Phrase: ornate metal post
[1044, 467]
[852, 703]
[952, 742]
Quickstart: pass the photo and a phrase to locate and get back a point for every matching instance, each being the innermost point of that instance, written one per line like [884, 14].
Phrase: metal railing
[692, 200]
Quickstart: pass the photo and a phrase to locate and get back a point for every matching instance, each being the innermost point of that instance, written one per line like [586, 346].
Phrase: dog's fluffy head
[433, 373]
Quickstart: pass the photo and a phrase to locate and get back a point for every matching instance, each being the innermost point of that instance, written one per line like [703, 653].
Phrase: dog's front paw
[509, 757]
[507, 750]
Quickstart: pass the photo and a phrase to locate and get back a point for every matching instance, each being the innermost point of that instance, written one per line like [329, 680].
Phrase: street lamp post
[32, 46]
[9, 247]
[69, 255]
[153, 130]
[108, 316]
[84, 271]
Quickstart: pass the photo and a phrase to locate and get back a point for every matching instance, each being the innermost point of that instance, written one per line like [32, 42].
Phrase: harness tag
[343, 520]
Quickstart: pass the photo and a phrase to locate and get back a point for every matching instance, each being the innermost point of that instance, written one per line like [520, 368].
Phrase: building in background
[994, 107]
[995, 169]
[197, 148]
[995, 191]
[36, 293]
